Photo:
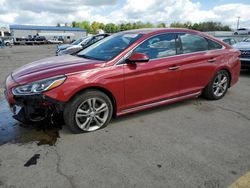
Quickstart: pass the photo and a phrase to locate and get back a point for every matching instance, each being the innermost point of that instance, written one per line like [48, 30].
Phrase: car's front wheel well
[101, 89]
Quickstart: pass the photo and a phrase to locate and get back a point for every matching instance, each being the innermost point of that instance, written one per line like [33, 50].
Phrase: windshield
[78, 41]
[247, 40]
[109, 47]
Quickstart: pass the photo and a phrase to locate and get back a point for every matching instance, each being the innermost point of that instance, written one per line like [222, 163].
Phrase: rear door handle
[211, 60]
[174, 68]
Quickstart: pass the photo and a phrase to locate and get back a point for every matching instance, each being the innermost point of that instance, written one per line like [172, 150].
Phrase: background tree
[95, 26]
[161, 25]
[113, 28]
[86, 25]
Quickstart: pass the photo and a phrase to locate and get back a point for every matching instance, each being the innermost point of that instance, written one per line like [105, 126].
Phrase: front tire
[88, 111]
[218, 86]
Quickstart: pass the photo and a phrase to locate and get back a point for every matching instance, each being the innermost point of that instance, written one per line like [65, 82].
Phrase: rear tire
[88, 112]
[218, 86]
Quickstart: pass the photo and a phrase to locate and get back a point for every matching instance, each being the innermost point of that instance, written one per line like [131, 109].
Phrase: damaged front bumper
[33, 108]
[36, 108]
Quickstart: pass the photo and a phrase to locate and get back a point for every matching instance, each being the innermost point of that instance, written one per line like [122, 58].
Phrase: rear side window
[213, 45]
[232, 41]
[159, 46]
[193, 43]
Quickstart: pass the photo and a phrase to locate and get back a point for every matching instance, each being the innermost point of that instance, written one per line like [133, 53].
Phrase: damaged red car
[126, 72]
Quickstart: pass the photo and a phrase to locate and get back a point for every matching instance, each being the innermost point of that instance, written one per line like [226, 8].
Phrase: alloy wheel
[220, 85]
[92, 114]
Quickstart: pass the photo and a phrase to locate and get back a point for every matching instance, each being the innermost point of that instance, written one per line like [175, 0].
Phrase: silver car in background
[244, 48]
[242, 31]
[228, 40]
[79, 44]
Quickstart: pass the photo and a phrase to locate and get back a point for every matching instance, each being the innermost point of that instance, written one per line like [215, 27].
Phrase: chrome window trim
[128, 53]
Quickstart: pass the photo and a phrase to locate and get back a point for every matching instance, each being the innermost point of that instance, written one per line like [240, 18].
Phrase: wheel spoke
[224, 80]
[96, 119]
[220, 91]
[219, 78]
[91, 103]
[102, 108]
[85, 125]
[215, 85]
[217, 91]
[222, 88]
[99, 120]
[81, 113]
[88, 124]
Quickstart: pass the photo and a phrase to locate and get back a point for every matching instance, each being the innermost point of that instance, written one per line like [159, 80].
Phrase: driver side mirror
[137, 58]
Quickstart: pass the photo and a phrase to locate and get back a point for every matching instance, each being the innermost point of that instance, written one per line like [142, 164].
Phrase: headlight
[39, 86]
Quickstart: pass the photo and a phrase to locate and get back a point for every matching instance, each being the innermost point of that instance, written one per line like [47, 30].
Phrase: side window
[233, 41]
[158, 46]
[214, 45]
[193, 43]
[95, 39]
[226, 41]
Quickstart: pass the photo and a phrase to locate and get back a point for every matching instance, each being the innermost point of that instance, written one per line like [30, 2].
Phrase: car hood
[64, 46]
[53, 66]
[242, 45]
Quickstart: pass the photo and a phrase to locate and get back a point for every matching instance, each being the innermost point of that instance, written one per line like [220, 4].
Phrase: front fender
[108, 78]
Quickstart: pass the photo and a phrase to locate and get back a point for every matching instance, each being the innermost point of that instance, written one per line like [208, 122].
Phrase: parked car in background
[1, 43]
[242, 31]
[244, 48]
[126, 72]
[8, 41]
[228, 40]
[40, 39]
[79, 44]
[36, 39]
[55, 41]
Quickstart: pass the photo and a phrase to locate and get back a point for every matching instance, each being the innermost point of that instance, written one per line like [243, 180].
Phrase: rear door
[157, 79]
[199, 59]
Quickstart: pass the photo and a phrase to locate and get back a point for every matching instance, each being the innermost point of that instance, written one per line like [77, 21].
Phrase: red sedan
[126, 72]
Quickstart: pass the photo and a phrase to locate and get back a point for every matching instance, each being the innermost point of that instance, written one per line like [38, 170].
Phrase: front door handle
[211, 60]
[174, 68]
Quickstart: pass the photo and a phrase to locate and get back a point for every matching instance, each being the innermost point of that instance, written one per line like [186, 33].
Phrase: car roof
[155, 31]
[159, 30]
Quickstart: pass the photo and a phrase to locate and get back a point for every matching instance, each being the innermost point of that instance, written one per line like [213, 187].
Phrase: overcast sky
[50, 12]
